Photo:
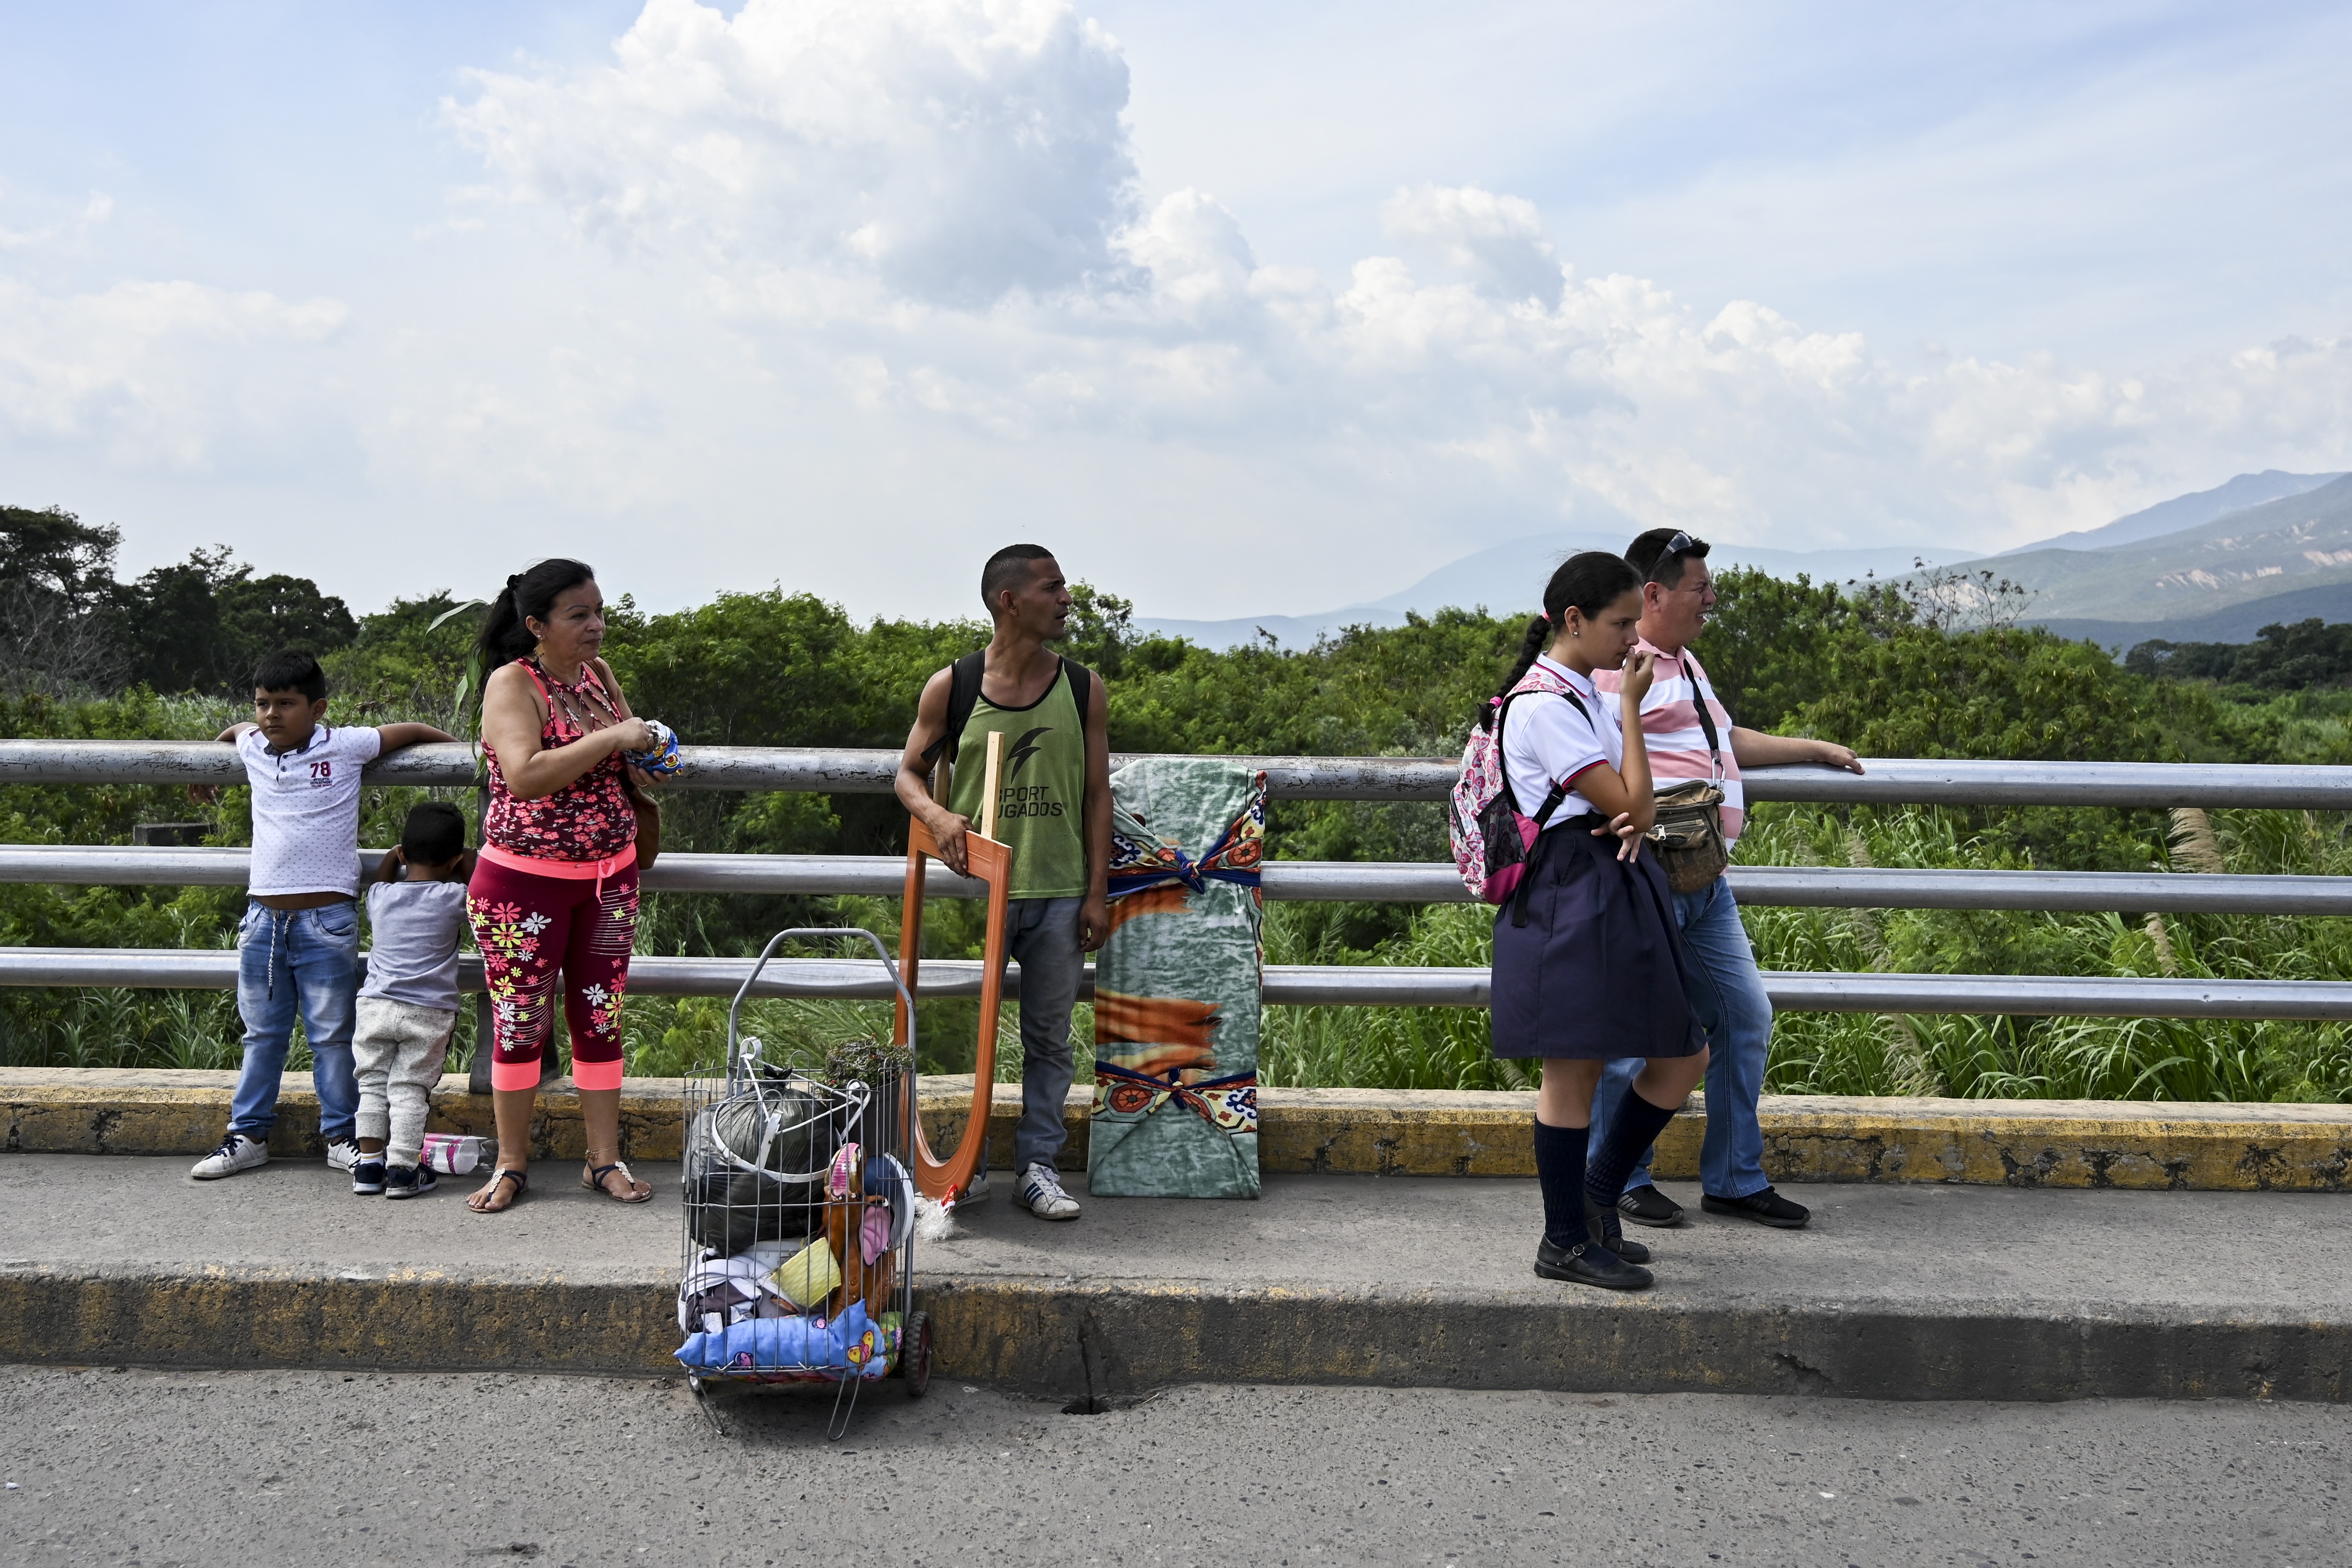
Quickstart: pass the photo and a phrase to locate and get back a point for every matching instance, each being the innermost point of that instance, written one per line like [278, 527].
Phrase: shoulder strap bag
[1688, 836]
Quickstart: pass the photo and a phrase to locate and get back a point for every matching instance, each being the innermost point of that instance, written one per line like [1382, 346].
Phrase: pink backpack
[1494, 840]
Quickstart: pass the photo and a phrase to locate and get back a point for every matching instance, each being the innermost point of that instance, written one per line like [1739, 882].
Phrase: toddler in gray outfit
[409, 1009]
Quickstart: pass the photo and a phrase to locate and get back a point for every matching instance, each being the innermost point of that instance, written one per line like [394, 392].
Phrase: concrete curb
[1051, 1335]
[1356, 1131]
[1069, 1339]
[398, 1320]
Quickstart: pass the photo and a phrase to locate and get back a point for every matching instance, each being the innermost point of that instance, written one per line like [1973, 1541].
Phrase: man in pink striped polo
[1691, 736]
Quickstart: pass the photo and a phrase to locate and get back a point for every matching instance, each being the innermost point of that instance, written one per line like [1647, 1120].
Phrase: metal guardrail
[818, 770]
[851, 771]
[1365, 986]
[1410, 882]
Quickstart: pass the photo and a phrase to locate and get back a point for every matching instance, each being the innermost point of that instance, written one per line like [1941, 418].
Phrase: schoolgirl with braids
[1588, 965]
[553, 898]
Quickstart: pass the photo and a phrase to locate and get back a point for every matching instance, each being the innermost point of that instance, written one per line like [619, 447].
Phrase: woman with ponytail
[554, 893]
[1588, 962]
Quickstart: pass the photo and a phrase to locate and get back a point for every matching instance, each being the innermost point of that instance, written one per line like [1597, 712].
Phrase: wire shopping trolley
[798, 1260]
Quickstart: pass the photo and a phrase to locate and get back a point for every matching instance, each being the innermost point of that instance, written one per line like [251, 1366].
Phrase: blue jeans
[1727, 994]
[288, 959]
[1042, 936]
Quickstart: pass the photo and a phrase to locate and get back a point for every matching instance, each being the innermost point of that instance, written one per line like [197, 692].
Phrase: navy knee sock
[1635, 1127]
[1559, 1168]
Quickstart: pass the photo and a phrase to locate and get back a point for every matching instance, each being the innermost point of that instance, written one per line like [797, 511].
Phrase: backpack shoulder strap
[1081, 690]
[1551, 800]
[963, 696]
[1559, 791]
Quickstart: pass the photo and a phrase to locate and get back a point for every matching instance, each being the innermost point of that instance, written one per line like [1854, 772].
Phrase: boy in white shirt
[409, 1009]
[299, 946]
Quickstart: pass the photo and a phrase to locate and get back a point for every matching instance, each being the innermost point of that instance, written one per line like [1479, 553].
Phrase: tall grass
[2097, 1058]
[1384, 1047]
[1971, 1056]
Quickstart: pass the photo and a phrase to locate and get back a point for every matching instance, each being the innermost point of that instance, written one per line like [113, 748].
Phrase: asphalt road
[156, 1469]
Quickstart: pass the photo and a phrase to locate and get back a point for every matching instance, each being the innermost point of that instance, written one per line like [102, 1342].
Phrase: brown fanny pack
[1688, 834]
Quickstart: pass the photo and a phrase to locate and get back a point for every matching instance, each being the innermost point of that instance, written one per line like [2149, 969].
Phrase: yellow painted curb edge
[1353, 1131]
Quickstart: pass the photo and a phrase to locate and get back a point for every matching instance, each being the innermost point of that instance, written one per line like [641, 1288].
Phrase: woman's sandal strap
[595, 1182]
[522, 1184]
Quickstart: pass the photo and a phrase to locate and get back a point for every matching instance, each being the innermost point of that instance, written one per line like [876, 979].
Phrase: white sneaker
[1042, 1195]
[236, 1152]
[343, 1154]
[976, 1193]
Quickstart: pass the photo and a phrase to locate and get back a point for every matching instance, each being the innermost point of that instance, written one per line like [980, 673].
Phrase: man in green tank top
[1053, 811]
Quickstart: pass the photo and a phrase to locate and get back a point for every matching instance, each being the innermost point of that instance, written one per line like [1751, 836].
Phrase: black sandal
[522, 1180]
[595, 1182]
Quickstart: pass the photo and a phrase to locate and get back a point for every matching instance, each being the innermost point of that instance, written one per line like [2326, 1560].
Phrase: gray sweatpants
[397, 1048]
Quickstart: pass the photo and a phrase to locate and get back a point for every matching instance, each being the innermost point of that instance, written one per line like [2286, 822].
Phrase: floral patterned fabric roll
[1177, 987]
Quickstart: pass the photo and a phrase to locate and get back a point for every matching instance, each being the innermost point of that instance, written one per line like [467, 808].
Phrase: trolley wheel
[914, 1354]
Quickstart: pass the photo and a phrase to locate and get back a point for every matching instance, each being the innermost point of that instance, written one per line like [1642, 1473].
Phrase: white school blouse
[1546, 740]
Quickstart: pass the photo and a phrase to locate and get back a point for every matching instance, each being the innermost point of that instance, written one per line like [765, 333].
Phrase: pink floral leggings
[528, 928]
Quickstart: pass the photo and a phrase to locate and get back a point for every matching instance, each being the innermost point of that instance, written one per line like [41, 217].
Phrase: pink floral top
[588, 819]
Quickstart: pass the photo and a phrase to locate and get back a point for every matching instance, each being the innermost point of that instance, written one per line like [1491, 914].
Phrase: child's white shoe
[236, 1152]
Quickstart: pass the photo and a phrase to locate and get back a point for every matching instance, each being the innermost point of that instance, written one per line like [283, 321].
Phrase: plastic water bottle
[458, 1154]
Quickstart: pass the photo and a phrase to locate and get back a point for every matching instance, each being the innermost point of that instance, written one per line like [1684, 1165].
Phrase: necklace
[579, 697]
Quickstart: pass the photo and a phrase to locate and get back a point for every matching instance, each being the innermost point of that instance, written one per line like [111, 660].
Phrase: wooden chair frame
[990, 862]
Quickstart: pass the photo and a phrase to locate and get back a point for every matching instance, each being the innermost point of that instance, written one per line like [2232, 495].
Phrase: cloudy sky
[1244, 308]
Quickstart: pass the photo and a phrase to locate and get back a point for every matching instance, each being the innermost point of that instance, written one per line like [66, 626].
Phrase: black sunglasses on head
[1674, 546]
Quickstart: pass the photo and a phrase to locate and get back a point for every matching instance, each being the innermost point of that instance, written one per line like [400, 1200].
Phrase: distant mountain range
[1509, 578]
[2234, 572]
[2240, 623]
[2212, 566]
[2190, 511]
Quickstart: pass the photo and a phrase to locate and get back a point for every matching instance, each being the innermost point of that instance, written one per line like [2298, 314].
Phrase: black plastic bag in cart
[755, 1160]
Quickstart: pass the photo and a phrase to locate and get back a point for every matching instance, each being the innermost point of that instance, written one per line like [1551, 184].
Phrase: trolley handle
[735, 1008]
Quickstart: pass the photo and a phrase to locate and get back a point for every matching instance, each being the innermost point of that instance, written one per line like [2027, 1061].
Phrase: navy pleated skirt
[1597, 972]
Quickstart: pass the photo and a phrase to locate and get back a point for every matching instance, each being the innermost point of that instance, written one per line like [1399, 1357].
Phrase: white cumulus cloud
[960, 150]
[934, 200]
[156, 374]
[833, 292]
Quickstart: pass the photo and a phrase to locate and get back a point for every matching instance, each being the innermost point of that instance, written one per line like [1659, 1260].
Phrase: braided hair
[1592, 581]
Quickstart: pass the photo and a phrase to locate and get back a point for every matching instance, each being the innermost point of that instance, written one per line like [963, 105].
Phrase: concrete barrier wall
[1359, 1132]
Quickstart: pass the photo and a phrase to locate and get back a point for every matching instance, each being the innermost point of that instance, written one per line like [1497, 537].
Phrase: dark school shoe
[367, 1174]
[1585, 1264]
[409, 1181]
[1603, 1225]
[1767, 1207]
[1645, 1204]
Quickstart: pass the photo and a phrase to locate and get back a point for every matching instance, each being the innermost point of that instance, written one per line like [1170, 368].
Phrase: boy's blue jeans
[1727, 992]
[288, 959]
[1042, 935]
